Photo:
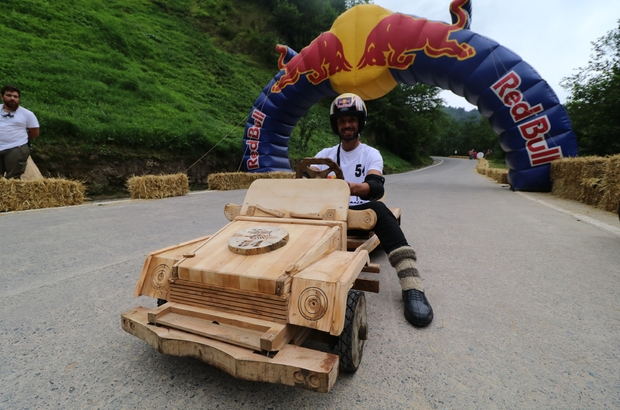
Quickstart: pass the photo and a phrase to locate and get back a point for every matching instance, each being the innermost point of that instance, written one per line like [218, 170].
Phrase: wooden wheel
[306, 163]
[355, 332]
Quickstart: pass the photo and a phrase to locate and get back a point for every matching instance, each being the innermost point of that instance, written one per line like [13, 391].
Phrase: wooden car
[283, 271]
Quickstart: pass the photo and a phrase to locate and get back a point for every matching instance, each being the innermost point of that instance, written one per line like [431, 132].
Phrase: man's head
[10, 97]
[347, 116]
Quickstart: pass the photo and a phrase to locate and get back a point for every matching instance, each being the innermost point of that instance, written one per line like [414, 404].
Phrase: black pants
[386, 228]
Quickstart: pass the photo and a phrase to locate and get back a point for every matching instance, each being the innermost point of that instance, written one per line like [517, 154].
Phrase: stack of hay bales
[242, 180]
[16, 195]
[158, 186]
[498, 174]
[483, 166]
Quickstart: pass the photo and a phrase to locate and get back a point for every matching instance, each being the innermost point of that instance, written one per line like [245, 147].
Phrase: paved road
[524, 287]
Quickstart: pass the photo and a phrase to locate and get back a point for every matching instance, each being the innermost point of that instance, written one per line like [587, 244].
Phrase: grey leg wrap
[404, 259]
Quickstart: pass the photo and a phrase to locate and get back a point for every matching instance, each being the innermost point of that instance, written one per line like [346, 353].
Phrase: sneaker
[418, 311]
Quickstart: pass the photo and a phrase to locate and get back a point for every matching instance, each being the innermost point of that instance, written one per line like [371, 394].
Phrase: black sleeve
[376, 186]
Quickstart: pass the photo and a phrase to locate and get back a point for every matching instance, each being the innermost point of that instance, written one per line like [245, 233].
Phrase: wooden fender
[292, 365]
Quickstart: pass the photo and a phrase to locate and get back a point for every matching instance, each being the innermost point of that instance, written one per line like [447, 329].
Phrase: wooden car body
[246, 307]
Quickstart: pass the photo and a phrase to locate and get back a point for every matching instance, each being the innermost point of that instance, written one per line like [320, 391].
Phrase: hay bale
[500, 175]
[158, 186]
[241, 180]
[591, 191]
[610, 186]
[483, 166]
[573, 171]
[17, 195]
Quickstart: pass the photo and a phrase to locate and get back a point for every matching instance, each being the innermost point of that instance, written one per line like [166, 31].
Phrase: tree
[406, 120]
[595, 98]
[301, 21]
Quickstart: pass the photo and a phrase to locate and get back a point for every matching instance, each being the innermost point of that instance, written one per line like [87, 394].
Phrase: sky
[553, 36]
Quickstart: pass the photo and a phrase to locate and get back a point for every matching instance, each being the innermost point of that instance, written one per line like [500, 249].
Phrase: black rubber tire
[350, 346]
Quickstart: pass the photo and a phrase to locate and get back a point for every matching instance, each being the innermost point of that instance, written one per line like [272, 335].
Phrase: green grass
[134, 73]
[497, 163]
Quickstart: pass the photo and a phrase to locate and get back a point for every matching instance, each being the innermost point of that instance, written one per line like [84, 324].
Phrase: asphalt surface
[524, 288]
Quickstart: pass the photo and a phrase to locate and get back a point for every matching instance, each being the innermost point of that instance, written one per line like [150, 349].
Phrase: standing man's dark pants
[13, 161]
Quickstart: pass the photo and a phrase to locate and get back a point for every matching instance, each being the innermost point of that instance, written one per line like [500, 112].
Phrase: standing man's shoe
[418, 311]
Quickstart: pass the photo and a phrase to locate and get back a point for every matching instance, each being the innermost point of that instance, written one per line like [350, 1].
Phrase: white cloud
[553, 36]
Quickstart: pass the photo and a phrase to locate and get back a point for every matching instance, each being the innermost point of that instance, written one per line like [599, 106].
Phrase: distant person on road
[362, 167]
[18, 126]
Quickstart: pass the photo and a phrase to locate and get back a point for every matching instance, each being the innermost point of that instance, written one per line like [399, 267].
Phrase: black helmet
[348, 104]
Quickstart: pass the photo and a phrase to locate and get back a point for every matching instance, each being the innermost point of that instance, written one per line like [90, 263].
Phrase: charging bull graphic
[386, 44]
[370, 49]
[323, 58]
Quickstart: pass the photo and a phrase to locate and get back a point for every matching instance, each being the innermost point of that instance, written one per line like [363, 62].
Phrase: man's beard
[352, 136]
[11, 105]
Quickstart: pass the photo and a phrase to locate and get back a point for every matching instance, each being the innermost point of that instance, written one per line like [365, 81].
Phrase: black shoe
[418, 311]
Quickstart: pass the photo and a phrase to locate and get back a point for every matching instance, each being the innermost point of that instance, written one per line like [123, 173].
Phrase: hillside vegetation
[135, 73]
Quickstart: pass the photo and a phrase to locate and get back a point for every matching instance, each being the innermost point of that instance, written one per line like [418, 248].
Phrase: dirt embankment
[106, 170]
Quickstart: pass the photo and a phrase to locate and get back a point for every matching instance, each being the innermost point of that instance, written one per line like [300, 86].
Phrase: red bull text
[253, 139]
[533, 131]
[324, 57]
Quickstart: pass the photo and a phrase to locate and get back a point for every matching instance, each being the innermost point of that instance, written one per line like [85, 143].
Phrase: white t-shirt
[355, 164]
[14, 129]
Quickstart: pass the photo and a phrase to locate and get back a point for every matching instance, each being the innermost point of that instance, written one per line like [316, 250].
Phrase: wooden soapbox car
[283, 271]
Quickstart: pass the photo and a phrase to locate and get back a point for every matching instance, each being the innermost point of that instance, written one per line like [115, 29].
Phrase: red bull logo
[533, 131]
[323, 58]
[384, 40]
[396, 39]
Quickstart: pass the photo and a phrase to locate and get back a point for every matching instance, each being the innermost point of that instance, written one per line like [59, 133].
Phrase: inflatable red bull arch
[369, 50]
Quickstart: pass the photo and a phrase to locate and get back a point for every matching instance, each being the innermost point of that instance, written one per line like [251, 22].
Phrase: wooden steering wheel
[304, 166]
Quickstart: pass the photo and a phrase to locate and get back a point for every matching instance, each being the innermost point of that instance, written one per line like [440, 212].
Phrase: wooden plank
[277, 315]
[301, 196]
[366, 285]
[165, 259]
[213, 330]
[235, 293]
[277, 337]
[372, 267]
[327, 244]
[368, 245]
[240, 330]
[292, 365]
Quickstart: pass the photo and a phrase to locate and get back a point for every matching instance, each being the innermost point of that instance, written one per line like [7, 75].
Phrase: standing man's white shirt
[14, 127]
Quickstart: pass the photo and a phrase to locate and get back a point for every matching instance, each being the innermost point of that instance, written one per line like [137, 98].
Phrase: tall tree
[406, 120]
[595, 98]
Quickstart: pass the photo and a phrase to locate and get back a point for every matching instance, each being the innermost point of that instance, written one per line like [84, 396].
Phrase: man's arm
[362, 190]
[32, 133]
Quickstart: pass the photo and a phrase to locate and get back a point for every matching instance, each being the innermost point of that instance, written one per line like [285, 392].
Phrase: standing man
[18, 126]
[362, 167]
